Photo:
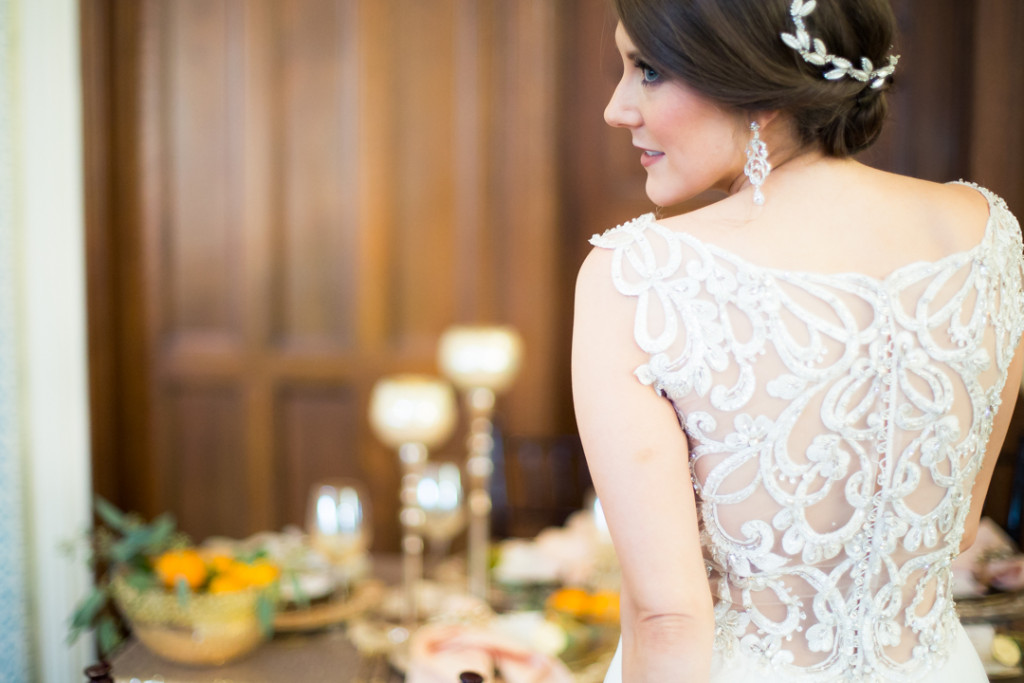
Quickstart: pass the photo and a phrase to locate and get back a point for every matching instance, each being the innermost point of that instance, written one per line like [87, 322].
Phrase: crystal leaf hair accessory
[814, 52]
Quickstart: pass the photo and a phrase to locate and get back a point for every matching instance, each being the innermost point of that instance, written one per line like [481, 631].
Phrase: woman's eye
[647, 72]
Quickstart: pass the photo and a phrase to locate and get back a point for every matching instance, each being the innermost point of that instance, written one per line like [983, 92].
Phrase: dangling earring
[757, 167]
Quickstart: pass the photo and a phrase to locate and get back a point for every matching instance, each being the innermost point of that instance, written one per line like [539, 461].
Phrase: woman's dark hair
[731, 52]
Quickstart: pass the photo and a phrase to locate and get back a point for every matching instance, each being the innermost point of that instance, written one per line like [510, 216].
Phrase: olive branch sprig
[122, 540]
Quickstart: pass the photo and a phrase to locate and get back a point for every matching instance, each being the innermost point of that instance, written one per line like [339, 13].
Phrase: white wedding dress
[836, 423]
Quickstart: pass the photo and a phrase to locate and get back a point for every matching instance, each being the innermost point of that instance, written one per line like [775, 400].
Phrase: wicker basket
[205, 629]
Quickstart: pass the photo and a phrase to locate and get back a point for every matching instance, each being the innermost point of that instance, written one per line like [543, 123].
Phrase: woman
[839, 345]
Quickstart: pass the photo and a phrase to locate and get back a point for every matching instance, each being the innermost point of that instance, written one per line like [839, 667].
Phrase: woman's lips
[650, 157]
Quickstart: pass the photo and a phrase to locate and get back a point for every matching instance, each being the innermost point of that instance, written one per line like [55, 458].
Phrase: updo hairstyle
[730, 51]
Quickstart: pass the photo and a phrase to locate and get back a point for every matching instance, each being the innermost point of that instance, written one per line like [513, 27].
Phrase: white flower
[820, 638]
[832, 460]
[750, 431]
[523, 561]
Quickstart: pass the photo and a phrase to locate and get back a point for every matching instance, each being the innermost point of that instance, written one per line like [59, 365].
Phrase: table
[325, 656]
[309, 657]
[329, 656]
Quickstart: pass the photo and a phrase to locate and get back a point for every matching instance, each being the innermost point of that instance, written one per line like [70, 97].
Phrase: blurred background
[283, 201]
[287, 200]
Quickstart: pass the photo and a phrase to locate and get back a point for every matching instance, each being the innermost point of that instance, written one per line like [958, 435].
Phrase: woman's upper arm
[637, 454]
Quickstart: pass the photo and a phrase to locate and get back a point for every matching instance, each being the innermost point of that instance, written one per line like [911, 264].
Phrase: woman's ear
[765, 118]
[778, 129]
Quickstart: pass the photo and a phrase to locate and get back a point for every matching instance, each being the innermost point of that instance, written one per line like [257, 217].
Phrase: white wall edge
[51, 319]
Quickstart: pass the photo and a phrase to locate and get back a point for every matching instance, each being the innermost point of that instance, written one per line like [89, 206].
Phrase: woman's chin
[662, 196]
[691, 195]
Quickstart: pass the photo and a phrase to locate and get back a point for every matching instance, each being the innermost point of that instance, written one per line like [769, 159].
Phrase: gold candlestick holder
[412, 413]
[481, 361]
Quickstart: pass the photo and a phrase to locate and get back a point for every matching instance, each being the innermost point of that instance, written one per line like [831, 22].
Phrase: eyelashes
[648, 73]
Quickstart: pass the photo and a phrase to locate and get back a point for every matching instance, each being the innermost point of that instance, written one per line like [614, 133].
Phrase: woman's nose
[621, 112]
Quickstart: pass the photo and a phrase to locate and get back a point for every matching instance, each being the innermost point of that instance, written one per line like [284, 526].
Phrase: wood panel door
[295, 198]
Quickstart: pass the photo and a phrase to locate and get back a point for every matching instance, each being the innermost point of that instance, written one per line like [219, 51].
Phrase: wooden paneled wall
[305, 194]
[288, 199]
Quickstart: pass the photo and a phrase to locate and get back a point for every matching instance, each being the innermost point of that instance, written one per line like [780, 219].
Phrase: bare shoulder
[603, 318]
[599, 303]
[957, 196]
[594, 276]
[952, 213]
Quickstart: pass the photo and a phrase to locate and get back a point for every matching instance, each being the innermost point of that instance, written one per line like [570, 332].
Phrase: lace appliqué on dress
[836, 424]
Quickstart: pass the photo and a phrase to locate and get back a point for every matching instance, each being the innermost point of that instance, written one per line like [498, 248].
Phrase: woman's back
[837, 398]
[835, 341]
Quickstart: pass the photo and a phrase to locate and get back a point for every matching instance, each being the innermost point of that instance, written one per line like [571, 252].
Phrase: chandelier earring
[757, 167]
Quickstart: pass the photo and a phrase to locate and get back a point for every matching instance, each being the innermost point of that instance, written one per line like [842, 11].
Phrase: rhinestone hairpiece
[814, 51]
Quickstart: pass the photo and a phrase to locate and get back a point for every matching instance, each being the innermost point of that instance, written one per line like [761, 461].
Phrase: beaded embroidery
[836, 423]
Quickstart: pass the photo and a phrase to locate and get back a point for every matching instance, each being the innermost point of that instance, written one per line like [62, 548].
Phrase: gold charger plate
[331, 612]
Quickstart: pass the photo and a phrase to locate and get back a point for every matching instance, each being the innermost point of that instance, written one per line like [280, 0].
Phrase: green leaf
[301, 598]
[183, 592]
[108, 635]
[89, 608]
[111, 516]
[140, 564]
[253, 555]
[141, 581]
[265, 612]
[133, 543]
[161, 532]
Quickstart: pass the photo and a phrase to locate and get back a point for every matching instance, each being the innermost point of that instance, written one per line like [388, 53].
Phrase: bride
[792, 399]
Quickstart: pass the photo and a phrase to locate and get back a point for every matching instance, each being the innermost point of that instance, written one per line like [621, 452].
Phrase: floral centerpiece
[569, 578]
[184, 604]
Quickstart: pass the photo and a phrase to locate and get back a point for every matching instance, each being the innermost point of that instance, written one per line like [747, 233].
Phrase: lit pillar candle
[412, 409]
[412, 413]
[473, 356]
[481, 361]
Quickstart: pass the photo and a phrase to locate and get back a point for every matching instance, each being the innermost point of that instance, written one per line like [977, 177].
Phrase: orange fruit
[186, 565]
[226, 583]
[572, 601]
[261, 573]
[220, 563]
[603, 606]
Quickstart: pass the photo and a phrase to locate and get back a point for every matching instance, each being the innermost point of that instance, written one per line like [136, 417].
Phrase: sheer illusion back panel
[836, 423]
